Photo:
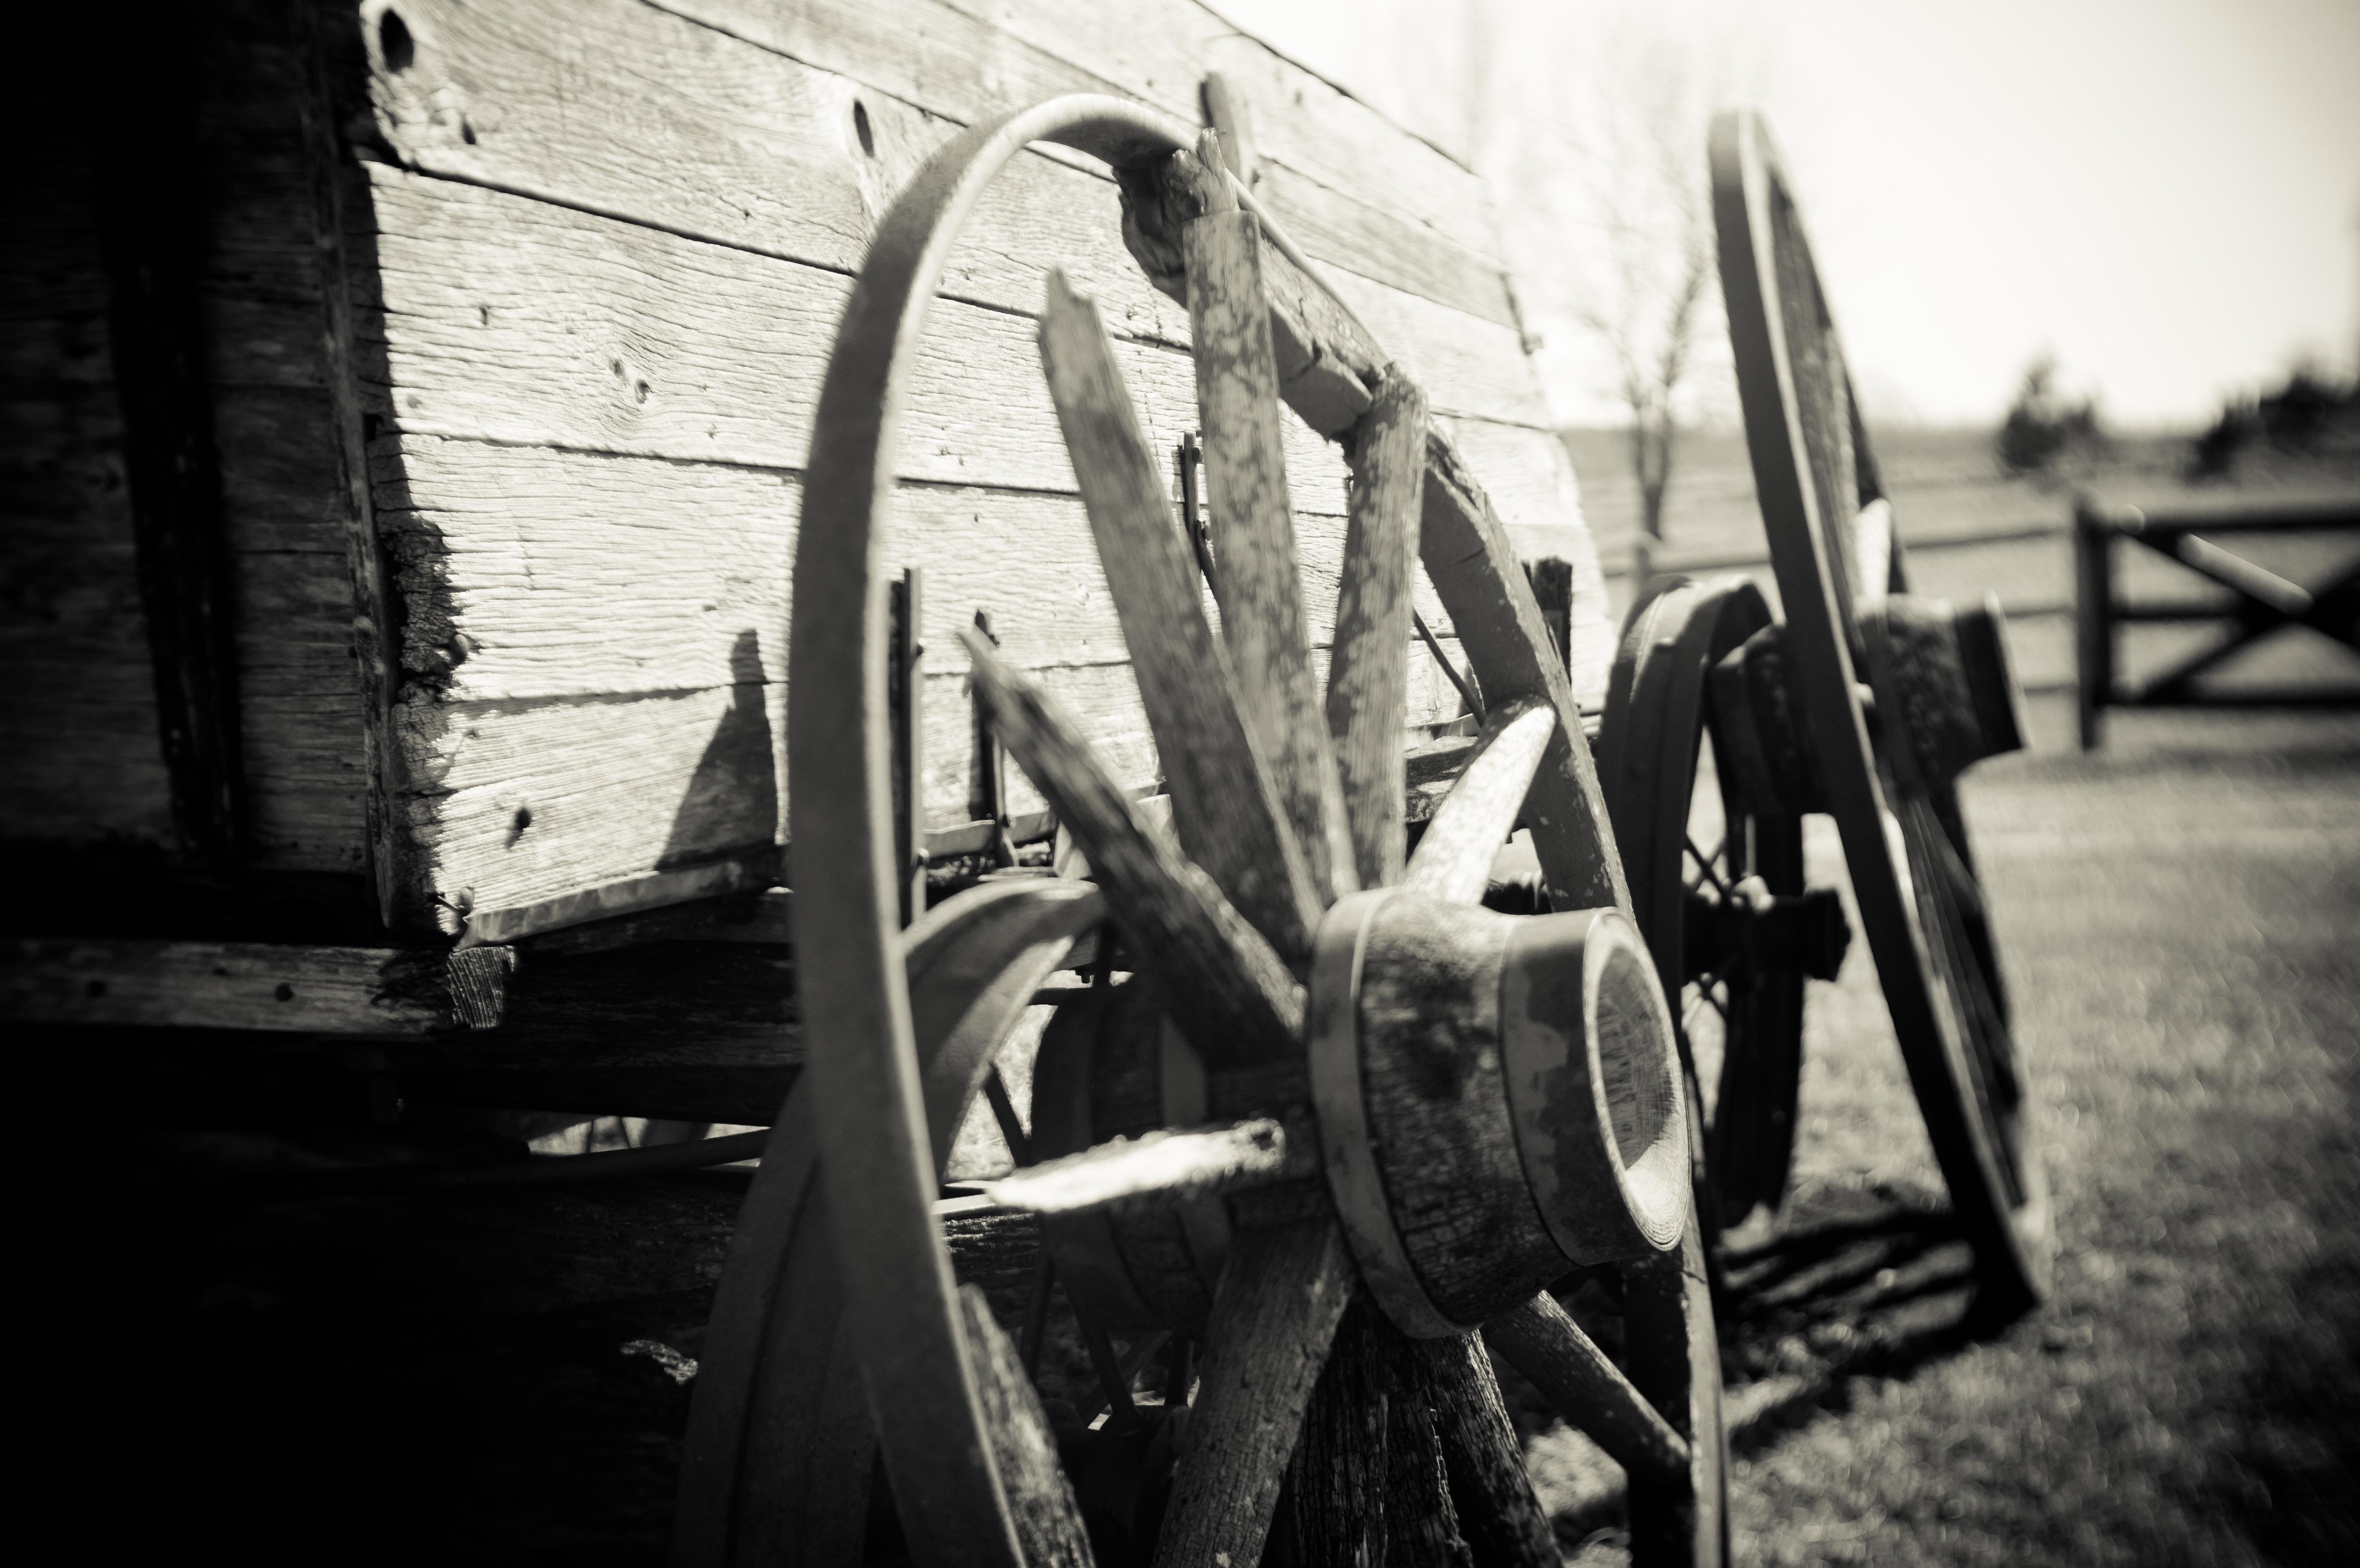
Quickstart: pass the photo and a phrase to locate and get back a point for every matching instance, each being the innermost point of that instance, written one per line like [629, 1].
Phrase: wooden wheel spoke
[1548, 1348]
[1253, 525]
[1225, 803]
[1047, 1516]
[1274, 1316]
[1234, 998]
[1453, 859]
[1161, 1169]
[1368, 669]
[1499, 1513]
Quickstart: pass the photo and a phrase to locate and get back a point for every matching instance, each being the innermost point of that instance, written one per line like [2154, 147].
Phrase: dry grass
[2178, 917]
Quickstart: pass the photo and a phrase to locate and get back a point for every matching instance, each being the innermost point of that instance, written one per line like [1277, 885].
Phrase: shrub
[2041, 429]
[2296, 415]
[2213, 454]
[2302, 418]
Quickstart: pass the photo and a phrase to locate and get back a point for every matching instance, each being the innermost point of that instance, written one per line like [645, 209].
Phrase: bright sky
[2164, 194]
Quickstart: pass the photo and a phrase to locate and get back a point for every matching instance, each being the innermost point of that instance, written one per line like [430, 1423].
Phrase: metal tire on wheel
[1842, 581]
[1304, 978]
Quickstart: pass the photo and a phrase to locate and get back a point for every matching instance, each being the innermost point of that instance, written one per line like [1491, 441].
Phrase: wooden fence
[2260, 603]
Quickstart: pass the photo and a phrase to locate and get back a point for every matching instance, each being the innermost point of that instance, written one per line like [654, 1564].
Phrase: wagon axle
[1747, 927]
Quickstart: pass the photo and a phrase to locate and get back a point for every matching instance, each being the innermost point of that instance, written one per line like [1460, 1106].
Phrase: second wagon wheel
[1715, 851]
[1895, 696]
[1409, 1112]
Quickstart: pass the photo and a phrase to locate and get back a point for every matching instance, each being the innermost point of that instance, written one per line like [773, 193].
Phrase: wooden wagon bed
[500, 327]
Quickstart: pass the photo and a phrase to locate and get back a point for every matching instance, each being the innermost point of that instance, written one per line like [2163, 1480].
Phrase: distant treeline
[2046, 433]
[2305, 417]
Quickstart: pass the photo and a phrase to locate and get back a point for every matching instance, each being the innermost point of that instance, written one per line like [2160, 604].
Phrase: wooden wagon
[423, 478]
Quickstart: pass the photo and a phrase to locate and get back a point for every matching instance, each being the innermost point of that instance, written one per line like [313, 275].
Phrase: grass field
[2177, 915]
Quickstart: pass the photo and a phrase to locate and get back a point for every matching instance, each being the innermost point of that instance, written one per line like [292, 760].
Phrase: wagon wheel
[1716, 854]
[1489, 1099]
[1876, 749]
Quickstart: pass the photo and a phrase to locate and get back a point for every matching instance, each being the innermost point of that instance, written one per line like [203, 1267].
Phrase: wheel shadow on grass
[1855, 1282]
[1852, 1283]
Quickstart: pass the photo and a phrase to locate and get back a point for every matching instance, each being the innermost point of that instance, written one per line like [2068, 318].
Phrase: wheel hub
[1498, 1098]
[1758, 931]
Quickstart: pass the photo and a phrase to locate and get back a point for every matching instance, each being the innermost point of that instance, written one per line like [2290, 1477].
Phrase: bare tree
[1649, 321]
[1610, 223]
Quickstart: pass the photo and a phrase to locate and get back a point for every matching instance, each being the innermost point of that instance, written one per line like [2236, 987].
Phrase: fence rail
[2258, 603]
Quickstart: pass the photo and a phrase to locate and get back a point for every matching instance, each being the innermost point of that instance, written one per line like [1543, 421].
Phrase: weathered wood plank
[304, 746]
[646, 574]
[344, 248]
[515, 806]
[149, 218]
[79, 757]
[1468, 366]
[703, 134]
[253, 302]
[525, 322]
[1342, 231]
[669, 580]
[248, 985]
[254, 311]
[964, 61]
[659, 1005]
[257, 299]
[762, 916]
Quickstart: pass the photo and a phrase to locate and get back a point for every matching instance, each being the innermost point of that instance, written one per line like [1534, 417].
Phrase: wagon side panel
[609, 263]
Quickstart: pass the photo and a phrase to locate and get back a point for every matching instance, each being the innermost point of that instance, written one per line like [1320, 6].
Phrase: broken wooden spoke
[1274, 1315]
[1160, 1169]
[1253, 532]
[1368, 671]
[1232, 993]
[1453, 859]
[1047, 1516]
[1225, 803]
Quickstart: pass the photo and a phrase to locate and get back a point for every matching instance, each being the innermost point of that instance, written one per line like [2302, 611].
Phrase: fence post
[2093, 618]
